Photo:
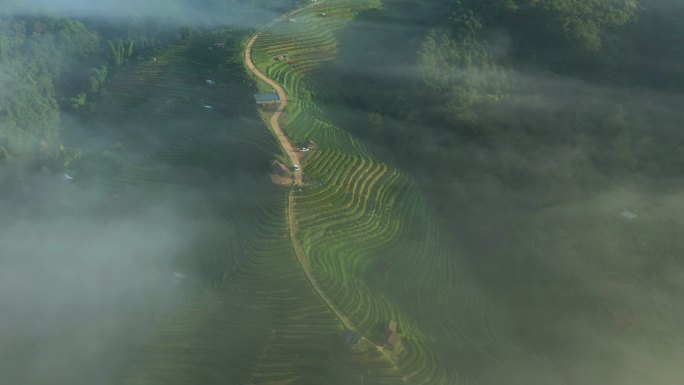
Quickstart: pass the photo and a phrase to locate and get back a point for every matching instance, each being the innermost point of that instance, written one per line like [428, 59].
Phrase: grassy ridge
[369, 234]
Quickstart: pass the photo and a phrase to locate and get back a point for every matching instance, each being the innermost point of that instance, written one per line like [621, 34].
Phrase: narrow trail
[302, 258]
[275, 118]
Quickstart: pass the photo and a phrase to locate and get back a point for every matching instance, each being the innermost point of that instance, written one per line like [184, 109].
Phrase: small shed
[628, 215]
[270, 98]
[286, 57]
[392, 341]
[392, 326]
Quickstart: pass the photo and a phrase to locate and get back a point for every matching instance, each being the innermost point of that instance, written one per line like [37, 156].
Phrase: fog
[100, 247]
[533, 181]
[197, 14]
[91, 264]
[81, 280]
[563, 190]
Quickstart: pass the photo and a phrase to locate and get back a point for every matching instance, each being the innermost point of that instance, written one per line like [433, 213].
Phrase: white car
[295, 167]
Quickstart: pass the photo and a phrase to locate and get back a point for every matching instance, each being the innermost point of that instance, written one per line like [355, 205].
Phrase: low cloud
[234, 14]
[83, 277]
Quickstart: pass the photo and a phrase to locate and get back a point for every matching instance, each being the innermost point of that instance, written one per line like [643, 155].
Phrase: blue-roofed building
[269, 98]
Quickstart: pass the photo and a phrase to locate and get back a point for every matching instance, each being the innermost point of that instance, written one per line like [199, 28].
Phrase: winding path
[302, 258]
[291, 220]
[275, 118]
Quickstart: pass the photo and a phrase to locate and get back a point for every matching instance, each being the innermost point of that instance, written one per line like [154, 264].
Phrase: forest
[532, 125]
[595, 80]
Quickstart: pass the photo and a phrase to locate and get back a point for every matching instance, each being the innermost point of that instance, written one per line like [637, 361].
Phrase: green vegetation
[250, 316]
[531, 135]
[222, 147]
[368, 233]
[580, 23]
[501, 177]
[33, 54]
[52, 65]
[475, 83]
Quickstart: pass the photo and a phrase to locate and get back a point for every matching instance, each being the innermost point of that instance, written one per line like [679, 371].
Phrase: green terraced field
[250, 314]
[261, 307]
[171, 148]
[369, 236]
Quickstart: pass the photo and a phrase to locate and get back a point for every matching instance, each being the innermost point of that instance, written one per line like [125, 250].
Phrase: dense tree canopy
[579, 22]
[528, 122]
[593, 79]
[34, 54]
[56, 56]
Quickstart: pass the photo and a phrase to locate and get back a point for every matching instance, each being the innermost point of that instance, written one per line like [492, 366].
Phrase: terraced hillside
[178, 140]
[368, 235]
[246, 313]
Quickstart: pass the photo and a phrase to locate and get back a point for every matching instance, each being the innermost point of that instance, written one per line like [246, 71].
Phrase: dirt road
[291, 218]
[292, 223]
[275, 118]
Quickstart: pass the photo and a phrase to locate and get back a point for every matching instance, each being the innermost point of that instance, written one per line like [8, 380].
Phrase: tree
[79, 101]
[456, 64]
[580, 23]
[115, 52]
[97, 79]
